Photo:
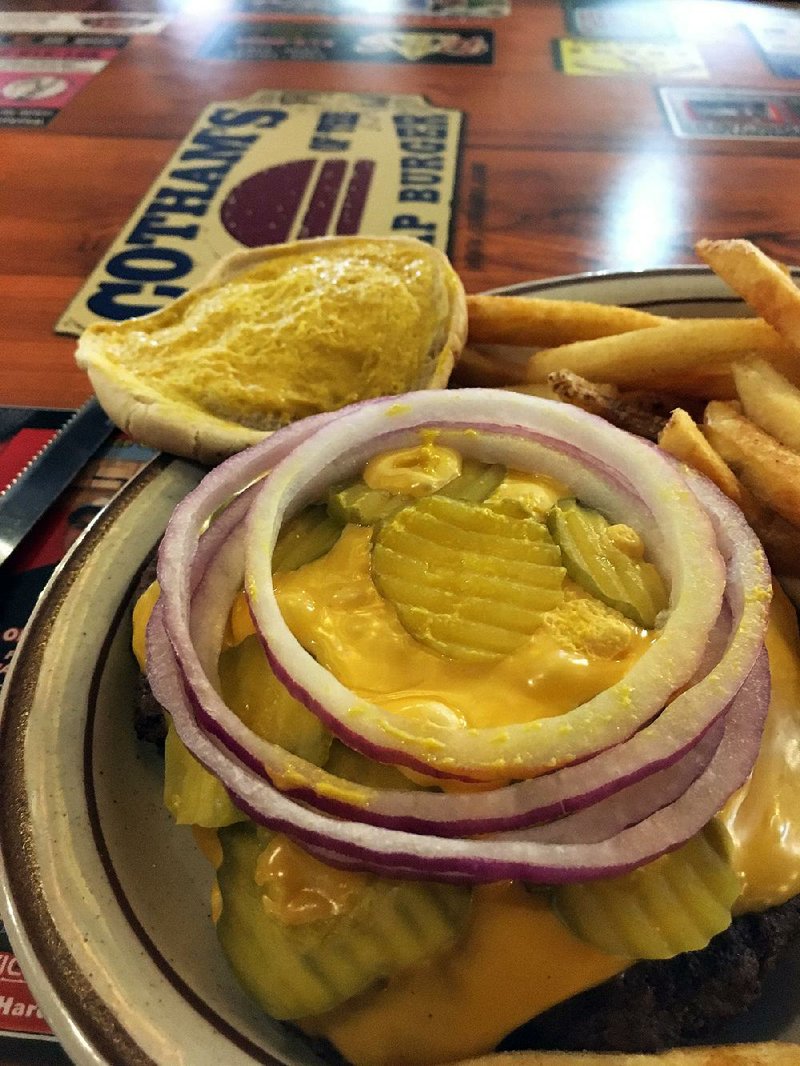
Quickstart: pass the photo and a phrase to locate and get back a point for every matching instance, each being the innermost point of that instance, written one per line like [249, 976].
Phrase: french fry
[766, 467]
[638, 413]
[478, 367]
[537, 323]
[770, 400]
[689, 356]
[684, 439]
[761, 282]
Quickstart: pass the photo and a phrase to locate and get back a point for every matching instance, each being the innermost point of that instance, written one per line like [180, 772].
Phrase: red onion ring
[404, 854]
[690, 561]
[196, 573]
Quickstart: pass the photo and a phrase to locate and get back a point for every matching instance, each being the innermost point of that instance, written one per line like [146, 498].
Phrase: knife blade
[43, 480]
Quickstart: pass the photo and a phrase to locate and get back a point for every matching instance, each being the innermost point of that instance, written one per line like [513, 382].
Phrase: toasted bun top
[277, 333]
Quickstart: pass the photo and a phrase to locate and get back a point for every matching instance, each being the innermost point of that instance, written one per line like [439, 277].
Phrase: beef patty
[651, 1006]
[658, 1004]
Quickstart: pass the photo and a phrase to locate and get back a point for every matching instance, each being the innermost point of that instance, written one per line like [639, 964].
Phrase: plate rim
[685, 270]
[83, 1022]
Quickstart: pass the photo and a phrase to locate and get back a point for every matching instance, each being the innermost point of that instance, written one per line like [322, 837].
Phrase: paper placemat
[275, 167]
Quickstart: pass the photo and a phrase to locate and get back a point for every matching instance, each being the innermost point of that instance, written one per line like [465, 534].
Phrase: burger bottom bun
[768, 1054]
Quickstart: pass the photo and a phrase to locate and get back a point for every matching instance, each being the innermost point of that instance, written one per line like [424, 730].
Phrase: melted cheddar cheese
[516, 959]
[763, 817]
[335, 611]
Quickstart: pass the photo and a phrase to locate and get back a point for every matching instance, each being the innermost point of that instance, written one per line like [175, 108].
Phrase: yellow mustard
[300, 333]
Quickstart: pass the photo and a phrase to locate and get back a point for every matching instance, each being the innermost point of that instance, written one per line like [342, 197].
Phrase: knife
[47, 475]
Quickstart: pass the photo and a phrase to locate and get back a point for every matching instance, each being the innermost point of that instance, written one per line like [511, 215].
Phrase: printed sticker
[40, 73]
[777, 34]
[79, 22]
[460, 8]
[303, 41]
[596, 58]
[732, 114]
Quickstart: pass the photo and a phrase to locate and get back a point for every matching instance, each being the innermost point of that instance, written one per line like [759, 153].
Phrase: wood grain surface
[559, 174]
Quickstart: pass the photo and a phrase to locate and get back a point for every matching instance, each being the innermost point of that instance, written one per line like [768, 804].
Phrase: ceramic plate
[106, 902]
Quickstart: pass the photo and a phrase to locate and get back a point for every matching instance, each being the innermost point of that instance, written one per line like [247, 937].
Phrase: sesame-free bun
[277, 333]
[771, 1053]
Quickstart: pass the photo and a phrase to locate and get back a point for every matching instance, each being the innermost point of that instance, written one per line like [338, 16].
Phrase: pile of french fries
[721, 395]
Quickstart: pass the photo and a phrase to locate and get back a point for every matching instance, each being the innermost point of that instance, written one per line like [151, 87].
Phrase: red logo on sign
[18, 1010]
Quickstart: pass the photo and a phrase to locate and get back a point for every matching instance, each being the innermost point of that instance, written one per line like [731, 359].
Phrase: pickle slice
[306, 537]
[467, 580]
[360, 504]
[593, 558]
[353, 766]
[476, 481]
[252, 690]
[676, 903]
[294, 970]
[192, 795]
[366, 506]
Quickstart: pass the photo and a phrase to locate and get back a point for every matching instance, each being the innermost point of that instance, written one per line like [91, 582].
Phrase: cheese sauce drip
[334, 609]
[299, 889]
[763, 817]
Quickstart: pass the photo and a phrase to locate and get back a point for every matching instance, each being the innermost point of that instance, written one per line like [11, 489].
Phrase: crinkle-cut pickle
[306, 537]
[363, 506]
[367, 506]
[254, 693]
[631, 585]
[476, 482]
[305, 969]
[674, 904]
[192, 795]
[467, 580]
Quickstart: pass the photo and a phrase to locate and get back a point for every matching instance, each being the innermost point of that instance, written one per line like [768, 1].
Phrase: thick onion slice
[525, 433]
[486, 859]
[640, 749]
[650, 751]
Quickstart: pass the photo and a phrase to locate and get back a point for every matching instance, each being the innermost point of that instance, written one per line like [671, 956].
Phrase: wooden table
[559, 174]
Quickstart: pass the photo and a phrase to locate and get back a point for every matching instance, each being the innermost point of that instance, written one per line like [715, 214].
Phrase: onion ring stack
[624, 777]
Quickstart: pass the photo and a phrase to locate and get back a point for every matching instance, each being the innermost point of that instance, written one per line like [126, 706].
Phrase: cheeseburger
[483, 710]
